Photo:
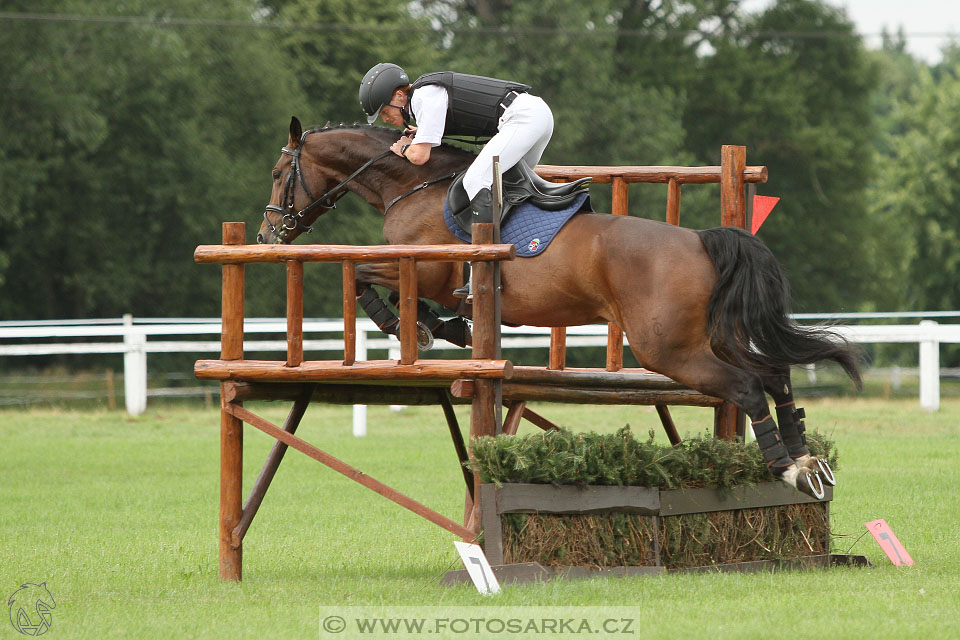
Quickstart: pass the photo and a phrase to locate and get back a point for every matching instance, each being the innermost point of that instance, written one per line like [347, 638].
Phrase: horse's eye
[276, 174]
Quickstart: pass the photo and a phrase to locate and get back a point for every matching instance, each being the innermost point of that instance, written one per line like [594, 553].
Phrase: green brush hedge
[620, 459]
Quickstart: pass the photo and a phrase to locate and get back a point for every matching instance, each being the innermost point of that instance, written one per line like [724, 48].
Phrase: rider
[447, 103]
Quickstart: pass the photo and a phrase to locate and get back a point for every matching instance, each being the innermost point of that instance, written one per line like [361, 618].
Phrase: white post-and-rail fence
[130, 337]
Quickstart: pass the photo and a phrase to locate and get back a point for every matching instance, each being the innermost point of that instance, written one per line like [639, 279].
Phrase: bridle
[291, 218]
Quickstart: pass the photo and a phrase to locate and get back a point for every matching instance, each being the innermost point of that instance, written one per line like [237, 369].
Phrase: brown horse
[706, 308]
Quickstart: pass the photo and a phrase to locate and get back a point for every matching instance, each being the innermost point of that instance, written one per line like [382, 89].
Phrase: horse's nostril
[259, 238]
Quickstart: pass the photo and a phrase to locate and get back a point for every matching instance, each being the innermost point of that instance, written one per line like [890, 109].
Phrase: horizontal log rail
[250, 253]
[652, 174]
[320, 370]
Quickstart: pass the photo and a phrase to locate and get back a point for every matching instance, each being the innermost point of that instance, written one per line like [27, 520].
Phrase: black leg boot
[481, 210]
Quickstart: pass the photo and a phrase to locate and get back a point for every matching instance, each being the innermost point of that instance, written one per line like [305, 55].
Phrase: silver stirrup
[424, 337]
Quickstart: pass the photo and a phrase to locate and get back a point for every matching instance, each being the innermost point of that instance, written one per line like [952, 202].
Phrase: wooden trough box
[535, 532]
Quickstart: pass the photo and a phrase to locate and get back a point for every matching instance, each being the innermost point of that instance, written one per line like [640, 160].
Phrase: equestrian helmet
[376, 88]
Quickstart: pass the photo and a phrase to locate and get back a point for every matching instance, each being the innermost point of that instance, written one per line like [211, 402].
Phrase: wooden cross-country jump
[484, 380]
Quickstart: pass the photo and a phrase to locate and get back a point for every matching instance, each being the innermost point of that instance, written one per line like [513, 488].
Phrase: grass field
[119, 516]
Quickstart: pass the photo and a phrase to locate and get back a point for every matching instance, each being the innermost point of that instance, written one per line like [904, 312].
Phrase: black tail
[748, 314]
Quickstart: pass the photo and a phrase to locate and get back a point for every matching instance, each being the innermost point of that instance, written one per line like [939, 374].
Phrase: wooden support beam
[725, 421]
[538, 420]
[458, 444]
[668, 426]
[733, 213]
[483, 412]
[349, 313]
[583, 377]
[408, 311]
[354, 474]
[596, 395]
[558, 348]
[512, 422]
[270, 466]
[673, 202]
[294, 313]
[231, 429]
[338, 393]
[620, 207]
[733, 204]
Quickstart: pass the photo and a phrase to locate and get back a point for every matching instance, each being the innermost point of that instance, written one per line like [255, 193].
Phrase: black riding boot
[481, 210]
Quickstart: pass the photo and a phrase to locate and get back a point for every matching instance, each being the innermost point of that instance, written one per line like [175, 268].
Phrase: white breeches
[523, 133]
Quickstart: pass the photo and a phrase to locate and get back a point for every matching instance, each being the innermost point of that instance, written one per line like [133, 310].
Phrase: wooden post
[733, 213]
[483, 411]
[673, 201]
[733, 204]
[408, 311]
[231, 427]
[294, 313]
[621, 197]
[349, 313]
[558, 348]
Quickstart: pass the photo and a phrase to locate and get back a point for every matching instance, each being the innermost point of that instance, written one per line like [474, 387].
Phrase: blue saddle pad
[529, 228]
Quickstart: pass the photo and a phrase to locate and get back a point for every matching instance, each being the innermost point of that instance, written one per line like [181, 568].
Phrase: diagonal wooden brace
[352, 473]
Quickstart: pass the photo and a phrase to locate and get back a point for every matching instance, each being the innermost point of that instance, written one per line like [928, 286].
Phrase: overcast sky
[924, 21]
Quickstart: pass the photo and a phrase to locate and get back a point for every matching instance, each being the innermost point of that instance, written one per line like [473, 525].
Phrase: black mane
[388, 135]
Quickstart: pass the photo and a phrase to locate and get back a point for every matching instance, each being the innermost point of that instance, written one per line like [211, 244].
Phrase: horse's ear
[296, 132]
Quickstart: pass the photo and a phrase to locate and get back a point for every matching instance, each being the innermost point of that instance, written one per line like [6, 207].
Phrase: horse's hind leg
[790, 417]
[704, 371]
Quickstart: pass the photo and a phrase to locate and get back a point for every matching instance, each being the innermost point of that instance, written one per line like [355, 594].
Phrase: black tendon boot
[790, 420]
[819, 465]
[378, 311]
[455, 330]
[781, 464]
[771, 446]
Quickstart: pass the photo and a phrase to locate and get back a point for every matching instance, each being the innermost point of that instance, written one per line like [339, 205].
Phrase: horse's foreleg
[384, 274]
[792, 427]
[430, 324]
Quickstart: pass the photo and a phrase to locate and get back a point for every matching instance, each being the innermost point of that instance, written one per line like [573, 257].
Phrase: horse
[707, 308]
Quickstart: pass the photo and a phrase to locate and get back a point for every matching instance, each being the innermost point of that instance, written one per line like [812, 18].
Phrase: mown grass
[119, 516]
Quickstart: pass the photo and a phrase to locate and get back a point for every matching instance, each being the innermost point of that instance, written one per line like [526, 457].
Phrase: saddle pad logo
[534, 245]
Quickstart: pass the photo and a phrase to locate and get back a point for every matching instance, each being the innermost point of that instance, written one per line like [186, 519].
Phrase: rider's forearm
[417, 153]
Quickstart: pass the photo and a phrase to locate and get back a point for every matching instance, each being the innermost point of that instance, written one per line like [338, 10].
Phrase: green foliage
[125, 143]
[138, 142]
[619, 459]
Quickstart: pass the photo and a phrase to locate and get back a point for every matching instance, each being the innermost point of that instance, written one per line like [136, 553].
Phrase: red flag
[762, 206]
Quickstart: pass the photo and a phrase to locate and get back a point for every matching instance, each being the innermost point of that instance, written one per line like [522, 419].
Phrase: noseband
[291, 218]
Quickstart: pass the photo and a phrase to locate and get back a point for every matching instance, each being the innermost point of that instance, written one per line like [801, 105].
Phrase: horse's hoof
[424, 337]
[826, 472]
[810, 484]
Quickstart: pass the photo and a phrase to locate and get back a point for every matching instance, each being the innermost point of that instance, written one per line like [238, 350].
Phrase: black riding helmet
[377, 87]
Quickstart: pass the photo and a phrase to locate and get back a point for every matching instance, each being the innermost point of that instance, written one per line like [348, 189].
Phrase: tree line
[129, 132]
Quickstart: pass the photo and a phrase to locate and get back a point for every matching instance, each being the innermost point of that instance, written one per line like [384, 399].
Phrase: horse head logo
[30, 607]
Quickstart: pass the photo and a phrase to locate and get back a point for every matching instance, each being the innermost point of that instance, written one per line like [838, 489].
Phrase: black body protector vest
[473, 105]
